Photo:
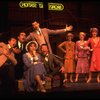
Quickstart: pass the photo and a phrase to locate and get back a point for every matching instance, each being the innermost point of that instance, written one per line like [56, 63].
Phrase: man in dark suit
[19, 50]
[52, 65]
[41, 35]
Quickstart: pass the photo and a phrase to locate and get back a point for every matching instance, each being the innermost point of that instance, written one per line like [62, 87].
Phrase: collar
[19, 44]
[9, 46]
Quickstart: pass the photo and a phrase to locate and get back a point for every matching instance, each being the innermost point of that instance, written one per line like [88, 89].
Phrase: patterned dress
[69, 63]
[82, 54]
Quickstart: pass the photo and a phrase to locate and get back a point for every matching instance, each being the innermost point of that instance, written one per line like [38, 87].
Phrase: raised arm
[60, 31]
[28, 38]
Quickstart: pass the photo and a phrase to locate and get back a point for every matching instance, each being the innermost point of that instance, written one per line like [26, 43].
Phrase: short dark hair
[43, 45]
[11, 37]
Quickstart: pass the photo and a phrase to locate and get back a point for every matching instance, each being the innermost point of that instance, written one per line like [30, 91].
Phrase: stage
[77, 90]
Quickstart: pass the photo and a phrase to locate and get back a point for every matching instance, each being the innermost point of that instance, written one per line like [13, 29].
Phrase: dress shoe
[43, 90]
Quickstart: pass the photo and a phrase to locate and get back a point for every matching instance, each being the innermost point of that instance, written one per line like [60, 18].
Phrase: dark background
[82, 15]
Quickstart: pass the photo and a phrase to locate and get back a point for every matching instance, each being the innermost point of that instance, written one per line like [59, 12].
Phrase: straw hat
[31, 42]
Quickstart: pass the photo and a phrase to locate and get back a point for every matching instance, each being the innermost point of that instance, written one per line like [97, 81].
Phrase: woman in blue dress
[34, 71]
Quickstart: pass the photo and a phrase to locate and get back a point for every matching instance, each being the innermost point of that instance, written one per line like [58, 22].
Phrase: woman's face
[70, 38]
[32, 47]
[94, 33]
[82, 37]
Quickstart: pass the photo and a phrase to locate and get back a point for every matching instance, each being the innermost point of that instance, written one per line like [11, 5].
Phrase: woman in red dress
[94, 42]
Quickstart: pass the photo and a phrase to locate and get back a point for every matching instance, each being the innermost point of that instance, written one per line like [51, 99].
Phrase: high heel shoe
[76, 80]
[98, 80]
[65, 80]
[88, 81]
[71, 81]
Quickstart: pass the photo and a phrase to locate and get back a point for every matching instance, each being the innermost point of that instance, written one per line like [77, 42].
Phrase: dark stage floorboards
[71, 91]
[78, 90]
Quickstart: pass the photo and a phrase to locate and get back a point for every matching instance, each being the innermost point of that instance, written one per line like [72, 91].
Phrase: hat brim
[31, 42]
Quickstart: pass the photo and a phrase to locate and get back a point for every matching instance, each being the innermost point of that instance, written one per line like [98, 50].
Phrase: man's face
[36, 25]
[12, 42]
[44, 49]
[22, 37]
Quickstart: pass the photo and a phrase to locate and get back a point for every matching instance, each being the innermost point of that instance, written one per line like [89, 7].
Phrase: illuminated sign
[55, 6]
[32, 4]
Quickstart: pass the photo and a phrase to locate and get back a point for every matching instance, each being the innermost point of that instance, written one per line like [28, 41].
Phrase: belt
[82, 57]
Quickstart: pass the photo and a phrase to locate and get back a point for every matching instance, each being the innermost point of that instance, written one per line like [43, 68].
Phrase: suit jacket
[52, 62]
[19, 56]
[4, 58]
[46, 32]
[22, 49]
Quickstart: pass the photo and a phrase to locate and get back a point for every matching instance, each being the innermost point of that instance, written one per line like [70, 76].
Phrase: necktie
[39, 32]
[21, 46]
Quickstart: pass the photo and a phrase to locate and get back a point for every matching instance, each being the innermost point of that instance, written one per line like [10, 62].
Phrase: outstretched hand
[69, 28]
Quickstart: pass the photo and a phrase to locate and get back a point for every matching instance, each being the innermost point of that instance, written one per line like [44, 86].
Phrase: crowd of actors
[31, 58]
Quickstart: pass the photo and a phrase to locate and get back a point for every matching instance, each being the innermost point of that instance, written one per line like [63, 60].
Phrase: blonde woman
[82, 55]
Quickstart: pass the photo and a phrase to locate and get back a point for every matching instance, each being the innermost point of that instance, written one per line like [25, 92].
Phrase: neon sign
[32, 4]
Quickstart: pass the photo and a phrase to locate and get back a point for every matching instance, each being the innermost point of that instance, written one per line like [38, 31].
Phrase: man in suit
[41, 35]
[7, 65]
[19, 50]
[52, 65]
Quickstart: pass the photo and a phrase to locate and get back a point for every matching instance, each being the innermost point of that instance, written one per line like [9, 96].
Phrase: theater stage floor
[71, 91]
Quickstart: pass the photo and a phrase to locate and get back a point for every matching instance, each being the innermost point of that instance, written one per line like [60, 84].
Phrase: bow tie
[46, 58]
[46, 55]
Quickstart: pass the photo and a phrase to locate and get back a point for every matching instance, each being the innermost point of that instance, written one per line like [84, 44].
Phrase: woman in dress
[82, 56]
[68, 48]
[94, 42]
[34, 71]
